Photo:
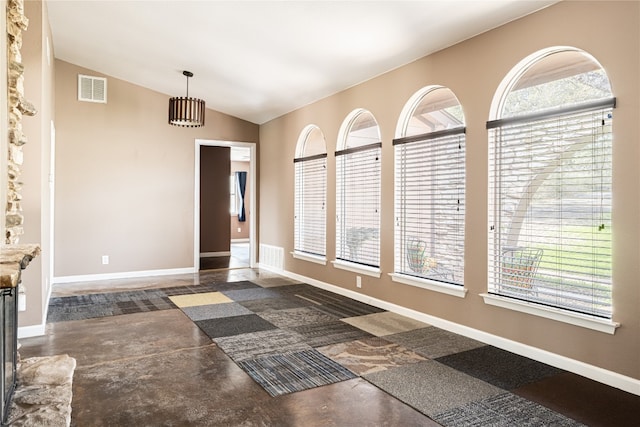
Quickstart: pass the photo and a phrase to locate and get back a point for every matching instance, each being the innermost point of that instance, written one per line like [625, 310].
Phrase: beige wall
[235, 224]
[215, 169]
[125, 178]
[39, 89]
[473, 70]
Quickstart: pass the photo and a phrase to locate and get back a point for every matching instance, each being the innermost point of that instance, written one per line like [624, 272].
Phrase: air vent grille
[272, 257]
[92, 89]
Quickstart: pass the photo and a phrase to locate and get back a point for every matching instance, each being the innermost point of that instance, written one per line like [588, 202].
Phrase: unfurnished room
[320, 213]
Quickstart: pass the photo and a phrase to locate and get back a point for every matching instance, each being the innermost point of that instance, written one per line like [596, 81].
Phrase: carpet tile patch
[322, 334]
[234, 286]
[336, 305]
[434, 342]
[503, 410]
[91, 306]
[287, 373]
[236, 325]
[386, 323]
[193, 300]
[296, 317]
[370, 355]
[250, 294]
[263, 343]
[267, 304]
[431, 387]
[349, 309]
[499, 367]
[215, 311]
[137, 306]
[291, 336]
[295, 289]
[270, 282]
[189, 290]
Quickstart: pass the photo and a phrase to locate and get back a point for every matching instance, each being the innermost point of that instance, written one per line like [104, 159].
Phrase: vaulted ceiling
[258, 60]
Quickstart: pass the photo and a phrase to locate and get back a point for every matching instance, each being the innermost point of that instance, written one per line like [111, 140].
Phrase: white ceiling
[257, 60]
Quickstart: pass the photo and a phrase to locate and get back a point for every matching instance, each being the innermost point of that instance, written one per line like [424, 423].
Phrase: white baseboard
[595, 373]
[246, 240]
[31, 331]
[123, 275]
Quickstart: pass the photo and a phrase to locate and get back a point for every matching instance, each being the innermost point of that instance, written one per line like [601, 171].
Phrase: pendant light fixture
[186, 112]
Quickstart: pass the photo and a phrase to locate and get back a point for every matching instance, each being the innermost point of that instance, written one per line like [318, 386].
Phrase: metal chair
[519, 267]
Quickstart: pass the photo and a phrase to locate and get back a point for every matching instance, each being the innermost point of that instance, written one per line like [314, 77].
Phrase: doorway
[241, 252]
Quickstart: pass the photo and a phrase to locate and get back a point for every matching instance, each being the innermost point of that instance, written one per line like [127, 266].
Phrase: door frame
[252, 197]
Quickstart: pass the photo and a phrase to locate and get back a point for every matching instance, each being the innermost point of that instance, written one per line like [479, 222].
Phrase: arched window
[310, 193]
[550, 183]
[430, 191]
[358, 191]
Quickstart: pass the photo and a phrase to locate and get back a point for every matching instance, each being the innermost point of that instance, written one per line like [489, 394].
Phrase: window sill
[432, 285]
[311, 258]
[577, 319]
[357, 268]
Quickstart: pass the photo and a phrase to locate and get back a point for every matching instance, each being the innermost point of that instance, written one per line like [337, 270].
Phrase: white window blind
[430, 205]
[310, 204]
[550, 208]
[358, 204]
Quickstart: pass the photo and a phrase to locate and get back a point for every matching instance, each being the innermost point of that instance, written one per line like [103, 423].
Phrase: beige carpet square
[370, 355]
[200, 299]
[386, 323]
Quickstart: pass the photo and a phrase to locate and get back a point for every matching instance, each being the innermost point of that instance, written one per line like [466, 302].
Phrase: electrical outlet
[358, 282]
[105, 259]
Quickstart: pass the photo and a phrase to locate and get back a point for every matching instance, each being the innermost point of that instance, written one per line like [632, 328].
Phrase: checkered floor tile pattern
[292, 337]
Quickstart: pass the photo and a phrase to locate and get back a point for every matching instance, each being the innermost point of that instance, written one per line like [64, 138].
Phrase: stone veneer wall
[17, 22]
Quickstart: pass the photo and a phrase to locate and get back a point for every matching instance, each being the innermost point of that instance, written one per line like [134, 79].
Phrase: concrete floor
[239, 259]
[159, 369]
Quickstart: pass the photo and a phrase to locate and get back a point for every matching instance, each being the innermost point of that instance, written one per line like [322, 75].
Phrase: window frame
[531, 305]
[301, 251]
[344, 154]
[404, 147]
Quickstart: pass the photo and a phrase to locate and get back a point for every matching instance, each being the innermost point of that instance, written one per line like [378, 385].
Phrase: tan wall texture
[473, 70]
[39, 89]
[125, 178]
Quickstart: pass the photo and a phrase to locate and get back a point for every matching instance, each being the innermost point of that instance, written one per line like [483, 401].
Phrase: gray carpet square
[334, 304]
[431, 387]
[250, 294]
[236, 325]
[267, 304]
[215, 311]
[287, 373]
[263, 343]
[91, 306]
[234, 286]
[295, 288]
[321, 334]
[499, 367]
[503, 410]
[190, 289]
[434, 342]
[296, 317]
[272, 282]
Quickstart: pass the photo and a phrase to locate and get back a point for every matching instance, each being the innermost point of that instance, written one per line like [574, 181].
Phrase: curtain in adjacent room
[241, 182]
